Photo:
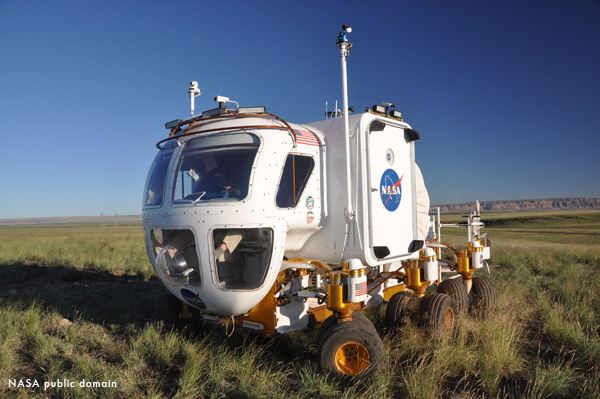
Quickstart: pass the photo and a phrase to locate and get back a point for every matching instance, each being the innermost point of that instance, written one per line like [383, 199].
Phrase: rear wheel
[400, 309]
[483, 297]
[438, 314]
[456, 289]
[350, 348]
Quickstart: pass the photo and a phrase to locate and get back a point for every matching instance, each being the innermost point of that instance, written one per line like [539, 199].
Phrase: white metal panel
[391, 173]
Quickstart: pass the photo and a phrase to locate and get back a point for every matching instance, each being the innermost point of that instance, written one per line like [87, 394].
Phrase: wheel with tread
[456, 289]
[438, 314]
[483, 297]
[350, 348]
[332, 320]
[400, 309]
[167, 309]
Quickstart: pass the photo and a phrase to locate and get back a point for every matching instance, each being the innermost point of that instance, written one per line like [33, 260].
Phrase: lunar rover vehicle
[262, 224]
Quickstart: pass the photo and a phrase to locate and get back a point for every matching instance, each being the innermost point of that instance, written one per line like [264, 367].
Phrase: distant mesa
[522, 205]
[467, 207]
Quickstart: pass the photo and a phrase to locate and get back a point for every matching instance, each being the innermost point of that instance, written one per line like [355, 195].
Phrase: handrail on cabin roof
[233, 115]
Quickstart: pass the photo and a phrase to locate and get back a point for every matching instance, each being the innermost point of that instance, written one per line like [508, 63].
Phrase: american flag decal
[306, 137]
[361, 288]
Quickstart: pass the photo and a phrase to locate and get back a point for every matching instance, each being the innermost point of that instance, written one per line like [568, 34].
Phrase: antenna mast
[194, 92]
[344, 46]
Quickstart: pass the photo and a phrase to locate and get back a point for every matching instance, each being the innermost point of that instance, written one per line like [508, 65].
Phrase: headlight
[171, 266]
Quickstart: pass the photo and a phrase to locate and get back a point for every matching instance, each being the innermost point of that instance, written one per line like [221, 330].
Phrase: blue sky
[505, 94]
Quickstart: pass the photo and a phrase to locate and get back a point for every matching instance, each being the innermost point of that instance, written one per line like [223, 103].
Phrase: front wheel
[333, 320]
[350, 348]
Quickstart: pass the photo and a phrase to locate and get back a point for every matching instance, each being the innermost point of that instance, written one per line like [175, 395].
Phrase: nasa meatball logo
[193, 299]
[389, 156]
[391, 190]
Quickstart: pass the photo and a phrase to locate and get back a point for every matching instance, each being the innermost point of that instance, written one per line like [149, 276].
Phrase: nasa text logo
[391, 190]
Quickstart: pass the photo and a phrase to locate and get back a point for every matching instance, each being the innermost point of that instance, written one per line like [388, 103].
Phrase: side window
[155, 183]
[296, 173]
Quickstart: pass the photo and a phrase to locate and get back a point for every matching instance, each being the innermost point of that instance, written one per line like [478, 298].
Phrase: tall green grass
[118, 249]
[542, 342]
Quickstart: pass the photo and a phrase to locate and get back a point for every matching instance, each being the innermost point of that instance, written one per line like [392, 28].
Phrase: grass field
[77, 302]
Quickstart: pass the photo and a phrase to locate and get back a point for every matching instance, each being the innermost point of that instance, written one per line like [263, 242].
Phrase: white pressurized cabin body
[271, 191]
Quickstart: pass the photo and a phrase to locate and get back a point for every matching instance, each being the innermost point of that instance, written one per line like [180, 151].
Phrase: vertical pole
[469, 227]
[439, 225]
[347, 141]
[344, 46]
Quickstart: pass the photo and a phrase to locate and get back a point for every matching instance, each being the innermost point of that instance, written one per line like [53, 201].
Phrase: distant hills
[523, 205]
[101, 221]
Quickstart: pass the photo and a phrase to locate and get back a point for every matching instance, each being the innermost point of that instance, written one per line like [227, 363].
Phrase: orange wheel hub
[352, 358]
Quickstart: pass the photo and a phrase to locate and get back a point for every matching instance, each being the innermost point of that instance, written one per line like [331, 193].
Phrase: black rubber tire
[332, 320]
[456, 289]
[167, 309]
[483, 297]
[438, 314]
[401, 308]
[350, 348]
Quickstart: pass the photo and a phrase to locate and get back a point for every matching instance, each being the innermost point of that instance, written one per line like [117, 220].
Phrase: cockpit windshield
[215, 168]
